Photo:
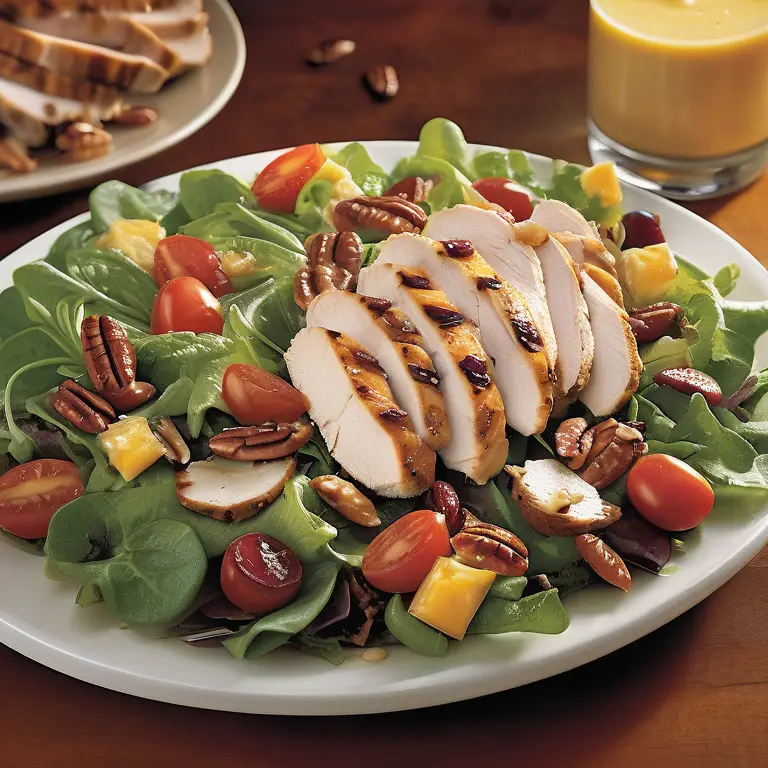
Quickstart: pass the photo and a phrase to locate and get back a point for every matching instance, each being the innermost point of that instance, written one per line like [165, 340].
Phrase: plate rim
[84, 173]
[333, 703]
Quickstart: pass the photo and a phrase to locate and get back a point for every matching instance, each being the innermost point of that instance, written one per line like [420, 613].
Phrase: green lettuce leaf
[542, 613]
[442, 139]
[201, 192]
[115, 200]
[369, 176]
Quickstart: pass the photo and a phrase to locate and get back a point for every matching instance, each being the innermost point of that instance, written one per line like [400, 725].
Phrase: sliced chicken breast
[82, 60]
[53, 84]
[396, 344]
[617, 366]
[495, 239]
[182, 18]
[556, 216]
[116, 32]
[507, 328]
[352, 405]
[29, 115]
[570, 319]
[192, 51]
[478, 445]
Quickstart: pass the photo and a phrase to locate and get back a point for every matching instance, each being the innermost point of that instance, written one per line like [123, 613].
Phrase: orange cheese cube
[131, 446]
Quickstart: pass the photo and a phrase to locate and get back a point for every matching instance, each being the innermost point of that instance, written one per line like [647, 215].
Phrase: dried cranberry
[476, 371]
[445, 318]
[415, 281]
[488, 284]
[458, 249]
[424, 375]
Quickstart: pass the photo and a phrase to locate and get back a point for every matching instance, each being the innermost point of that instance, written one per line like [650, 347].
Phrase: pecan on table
[333, 263]
[657, 320]
[390, 214]
[490, 547]
[383, 82]
[414, 189]
[110, 360]
[330, 51]
[601, 454]
[261, 442]
[83, 409]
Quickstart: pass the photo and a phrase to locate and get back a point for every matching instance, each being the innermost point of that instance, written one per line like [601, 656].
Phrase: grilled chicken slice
[82, 60]
[352, 404]
[556, 216]
[29, 115]
[192, 51]
[478, 444]
[495, 239]
[617, 366]
[182, 18]
[393, 340]
[507, 329]
[116, 32]
[570, 319]
[53, 84]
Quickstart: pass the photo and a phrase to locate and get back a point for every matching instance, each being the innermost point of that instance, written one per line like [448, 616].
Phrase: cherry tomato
[510, 195]
[32, 492]
[401, 556]
[255, 395]
[181, 255]
[260, 574]
[277, 187]
[669, 493]
[185, 304]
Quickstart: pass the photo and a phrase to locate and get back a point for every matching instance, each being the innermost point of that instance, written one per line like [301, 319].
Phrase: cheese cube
[644, 273]
[136, 239]
[131, 446]
[601, 181]
[450, 596]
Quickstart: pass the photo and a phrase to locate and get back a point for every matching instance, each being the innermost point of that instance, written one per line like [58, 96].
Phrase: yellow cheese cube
[136, 239]
[131, 446]
[601, 181]
[644, 273]
[238, 264]
[450, 596]
[331, 171]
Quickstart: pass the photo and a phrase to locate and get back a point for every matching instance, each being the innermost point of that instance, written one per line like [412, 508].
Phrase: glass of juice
[678, 93]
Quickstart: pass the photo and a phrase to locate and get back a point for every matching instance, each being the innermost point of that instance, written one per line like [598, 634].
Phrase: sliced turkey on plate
[53, 84]
[352, 405]
[478, 445]
[496, 240]
[507, 328]
[181, 18]
[115, 32]
[556, 216]
[617, 366]
[193, 50]
[570, 318]
[82, 60]
[29, 115]
[393, 340]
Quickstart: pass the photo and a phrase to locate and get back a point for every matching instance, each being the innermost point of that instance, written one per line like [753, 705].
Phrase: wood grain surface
[694, 693]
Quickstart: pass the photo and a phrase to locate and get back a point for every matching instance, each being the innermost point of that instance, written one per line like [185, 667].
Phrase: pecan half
[689, 381]
[443, 498]
[83, 409]
[333, 263]
[330, 51]
[383, 82]
[348, 500]
[83, 141]
[261, 442]
[490, 547]
[655, 321]
[604, 561]
[601, 454]
[136, 116]
[412, 188]
[176, 449]
[110, 360]
[392, 215]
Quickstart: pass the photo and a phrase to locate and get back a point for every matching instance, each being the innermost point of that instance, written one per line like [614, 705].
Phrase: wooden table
[694, 693]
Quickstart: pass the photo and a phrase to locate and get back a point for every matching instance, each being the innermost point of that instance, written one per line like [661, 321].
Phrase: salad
[348, 407]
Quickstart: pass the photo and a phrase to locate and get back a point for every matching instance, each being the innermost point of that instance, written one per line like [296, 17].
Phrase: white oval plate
[184, 106]
[39, 619]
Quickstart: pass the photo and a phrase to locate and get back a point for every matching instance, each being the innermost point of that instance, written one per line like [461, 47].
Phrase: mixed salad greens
[129, 542]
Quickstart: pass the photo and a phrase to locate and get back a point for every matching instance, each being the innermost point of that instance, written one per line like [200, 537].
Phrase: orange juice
[682, 79]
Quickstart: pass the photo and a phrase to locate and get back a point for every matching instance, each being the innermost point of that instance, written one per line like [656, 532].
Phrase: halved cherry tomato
[277, 187]
[255, 395]
[180, 255]
[401, 556]
[669, 493]
[510, 195]
[31, 493]
[260, 574]
[185, 304]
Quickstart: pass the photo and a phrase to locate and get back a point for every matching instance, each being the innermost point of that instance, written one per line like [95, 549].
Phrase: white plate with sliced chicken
[87, 90]
[447, 410]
